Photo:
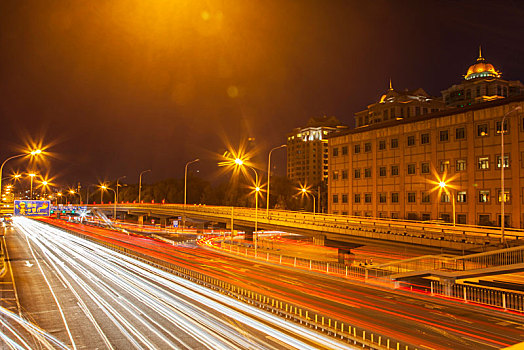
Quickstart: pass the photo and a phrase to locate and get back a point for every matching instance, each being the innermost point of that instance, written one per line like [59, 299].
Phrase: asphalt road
[425, 322]
[87, 296]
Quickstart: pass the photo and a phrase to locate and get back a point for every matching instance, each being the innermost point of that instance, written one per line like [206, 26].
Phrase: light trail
[148, 305]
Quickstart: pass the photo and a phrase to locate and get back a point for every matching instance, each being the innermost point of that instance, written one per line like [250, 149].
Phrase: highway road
[98, 298]
[424, 322]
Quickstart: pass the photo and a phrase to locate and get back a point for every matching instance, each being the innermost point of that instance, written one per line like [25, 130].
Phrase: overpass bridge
[339, 231]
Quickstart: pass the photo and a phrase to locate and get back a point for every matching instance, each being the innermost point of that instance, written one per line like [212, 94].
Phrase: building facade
[393, 169]
[307, 150]
[481, 83]
[395, 104]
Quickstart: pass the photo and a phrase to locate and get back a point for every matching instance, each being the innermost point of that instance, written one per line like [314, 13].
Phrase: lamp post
[140, 183]
[121, 177]
[502, 166]
[306, 192]
[240, 162]
[31, 175]
[104, 187]
[269, 176]
[32, 153]
[443, 185]
[73, 192]
[59, 194]
[185, 188]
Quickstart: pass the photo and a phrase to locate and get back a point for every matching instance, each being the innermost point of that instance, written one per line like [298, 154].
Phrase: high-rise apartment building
[307, 150]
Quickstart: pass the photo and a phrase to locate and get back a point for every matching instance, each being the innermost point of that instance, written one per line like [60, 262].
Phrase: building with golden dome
[481, 83]
[398, 104]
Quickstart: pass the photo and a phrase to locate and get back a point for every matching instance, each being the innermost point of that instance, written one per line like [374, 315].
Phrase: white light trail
[151, 308]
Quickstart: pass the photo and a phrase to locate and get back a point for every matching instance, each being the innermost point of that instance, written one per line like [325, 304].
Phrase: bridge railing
[369, 227]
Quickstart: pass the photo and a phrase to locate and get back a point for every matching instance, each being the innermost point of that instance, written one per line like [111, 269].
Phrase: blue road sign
[32, 208]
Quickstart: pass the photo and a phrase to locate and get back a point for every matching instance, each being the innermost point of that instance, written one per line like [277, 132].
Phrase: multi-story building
[393, 169]
[395, 104]
[481, 83]
[307, 150]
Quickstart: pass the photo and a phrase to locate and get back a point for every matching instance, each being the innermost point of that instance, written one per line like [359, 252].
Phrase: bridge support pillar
[345, 256]
[248, 234]
[319, 240]
[141, 220]
[163, 222]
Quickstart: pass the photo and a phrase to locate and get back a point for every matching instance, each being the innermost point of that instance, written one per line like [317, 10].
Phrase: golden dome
[481, 69]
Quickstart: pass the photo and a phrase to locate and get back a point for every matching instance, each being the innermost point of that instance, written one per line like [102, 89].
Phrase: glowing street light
[32, 176]
[449, 192]
[32, 153]
[305, 191]
[104, 187]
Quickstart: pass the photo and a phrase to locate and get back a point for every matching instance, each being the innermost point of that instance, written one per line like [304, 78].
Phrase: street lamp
[73, 192]
[59, 194]
[502, 166]
[305, 191]
[104, 187]
[140, 183]
[32, 153]
[185, 188]
[444, 186]
[269, 175]
[121, 177]
[240, 162]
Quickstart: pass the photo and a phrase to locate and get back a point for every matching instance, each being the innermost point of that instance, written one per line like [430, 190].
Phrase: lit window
[461, 196]
[461, 165]
[444, 197]
[424, 168]
[506, 196]
[482, 130]
[506, 161]
[483, 163]
[483, 196]
[444, 165]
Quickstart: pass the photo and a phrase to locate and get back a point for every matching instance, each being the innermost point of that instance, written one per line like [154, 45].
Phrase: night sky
[116, 87]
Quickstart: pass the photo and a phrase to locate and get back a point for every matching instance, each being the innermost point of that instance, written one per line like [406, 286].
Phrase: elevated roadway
[327, 229]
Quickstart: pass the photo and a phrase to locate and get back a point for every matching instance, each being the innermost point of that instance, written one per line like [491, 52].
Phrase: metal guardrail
[373, 228]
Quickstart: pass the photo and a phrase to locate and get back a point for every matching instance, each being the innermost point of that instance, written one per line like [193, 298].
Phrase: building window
[484, 220]
[357, 198]
[394, 215]
[344, 150]
[367, 197]
[367, 147]
[424, 169]
[460, 133]
[394, 197]
[335, 174]
[411, 169]
[394, 143]
[356, 149]
[484, 196]
[461, 219]
[424, 139]
[460, 165]
[426, 198]
[357, 173]
[367, 172]
[356, 213]
[382, 198]
[382, 171]
[506, 161]
[444, 165]
[382, 145]
[483, 163]
[506, 196]
[461, 197]
[499, 126]
[394, 170]
[411, 140]
[444, 197]
[482, 130]
[444, 135]
[411, 197]
[344, 198]
[335, 198]
[335, 152]
[426, 217]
